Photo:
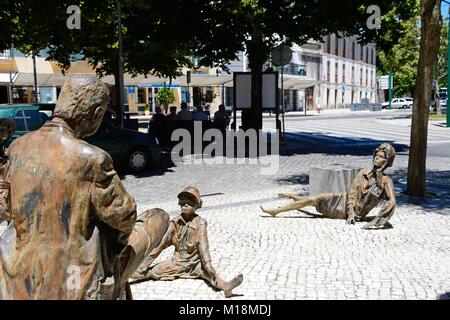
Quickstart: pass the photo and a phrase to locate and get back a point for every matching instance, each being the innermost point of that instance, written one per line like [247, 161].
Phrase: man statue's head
[82, 104]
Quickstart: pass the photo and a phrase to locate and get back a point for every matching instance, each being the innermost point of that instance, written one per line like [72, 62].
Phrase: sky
[444, 9]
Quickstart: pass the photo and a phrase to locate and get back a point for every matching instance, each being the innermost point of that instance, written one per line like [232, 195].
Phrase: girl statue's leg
[292, 196]
[293, 206]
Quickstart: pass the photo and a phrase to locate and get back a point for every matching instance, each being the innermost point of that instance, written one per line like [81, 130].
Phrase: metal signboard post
[386, 82]
[390, 90]
[281, 56]
[188, 81]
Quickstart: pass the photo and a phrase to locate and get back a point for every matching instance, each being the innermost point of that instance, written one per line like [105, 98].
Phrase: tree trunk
[253, 118]
[116, 98]
[431, 23]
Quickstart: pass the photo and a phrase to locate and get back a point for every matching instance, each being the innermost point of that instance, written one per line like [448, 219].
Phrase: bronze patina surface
[74, 233]
[367, 190]
[191, 260]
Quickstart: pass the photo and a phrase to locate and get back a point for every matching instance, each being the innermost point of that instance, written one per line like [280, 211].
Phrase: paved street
[295, 256]
[362, 129]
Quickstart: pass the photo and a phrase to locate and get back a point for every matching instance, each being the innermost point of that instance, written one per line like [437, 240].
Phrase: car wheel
[138, 159]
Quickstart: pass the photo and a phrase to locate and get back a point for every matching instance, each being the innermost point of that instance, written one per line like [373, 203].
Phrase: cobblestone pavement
[294, 256]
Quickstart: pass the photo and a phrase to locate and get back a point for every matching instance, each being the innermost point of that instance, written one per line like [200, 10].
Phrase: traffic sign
[281, 55]
[384, 82]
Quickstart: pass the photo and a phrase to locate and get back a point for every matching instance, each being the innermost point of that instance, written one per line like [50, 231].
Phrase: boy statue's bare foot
[235, 282]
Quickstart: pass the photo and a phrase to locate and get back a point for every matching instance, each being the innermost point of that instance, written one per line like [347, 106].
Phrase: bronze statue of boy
[191, 260]
[366, 191]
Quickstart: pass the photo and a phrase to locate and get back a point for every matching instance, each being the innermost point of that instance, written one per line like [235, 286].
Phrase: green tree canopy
[402, 59]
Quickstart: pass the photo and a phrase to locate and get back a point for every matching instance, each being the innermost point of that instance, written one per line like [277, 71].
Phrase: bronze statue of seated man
[74, 231]
[191, 260]
[368, 189]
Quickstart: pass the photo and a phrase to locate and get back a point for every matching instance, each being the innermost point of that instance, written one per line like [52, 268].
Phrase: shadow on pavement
[444, 296]
[310, 142]
[158, 169]
[438, 190]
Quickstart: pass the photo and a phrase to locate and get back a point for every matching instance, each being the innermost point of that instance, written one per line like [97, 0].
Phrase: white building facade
[348, 73]
[343, 70]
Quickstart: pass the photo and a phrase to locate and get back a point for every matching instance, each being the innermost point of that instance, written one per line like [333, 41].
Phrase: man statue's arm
[112, 205]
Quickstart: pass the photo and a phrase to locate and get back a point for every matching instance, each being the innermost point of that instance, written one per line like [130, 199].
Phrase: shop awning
[296, 83]
[204, 80]
[138, 80]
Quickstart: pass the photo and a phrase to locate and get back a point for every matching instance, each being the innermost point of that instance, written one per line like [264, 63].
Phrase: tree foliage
[402, 59]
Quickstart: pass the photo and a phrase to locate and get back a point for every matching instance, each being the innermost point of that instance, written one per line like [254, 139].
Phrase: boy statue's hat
[192, 193]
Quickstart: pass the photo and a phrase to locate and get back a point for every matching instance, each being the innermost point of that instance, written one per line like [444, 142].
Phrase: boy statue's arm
[205, 256]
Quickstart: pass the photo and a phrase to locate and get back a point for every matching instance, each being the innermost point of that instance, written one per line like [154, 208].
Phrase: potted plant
[164, 97]
[147, 109]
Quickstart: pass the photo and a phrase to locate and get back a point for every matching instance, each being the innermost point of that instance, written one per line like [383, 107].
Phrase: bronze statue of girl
[367, 190]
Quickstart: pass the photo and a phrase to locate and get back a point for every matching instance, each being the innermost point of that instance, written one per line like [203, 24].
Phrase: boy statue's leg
[228, 286]
[209, 274]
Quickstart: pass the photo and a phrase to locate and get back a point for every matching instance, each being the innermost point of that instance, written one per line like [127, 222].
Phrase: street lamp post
[448, 64]
[448, 60]
[120, 73]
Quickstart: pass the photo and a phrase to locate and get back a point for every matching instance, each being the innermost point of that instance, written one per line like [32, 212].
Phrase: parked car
[443, 106]
[27, 118]
[398, 103]
[410, 101]
[129, 149]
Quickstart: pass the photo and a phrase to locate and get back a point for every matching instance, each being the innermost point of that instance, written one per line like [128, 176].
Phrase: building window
[336, 44]
[367, 76]
[353, 75]
[141, 95]
[328, 71]
[344, 49]
[361, 77]
[328, 98]
[329, 43]
[343, 72]
[353, 50]
[336, 71]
